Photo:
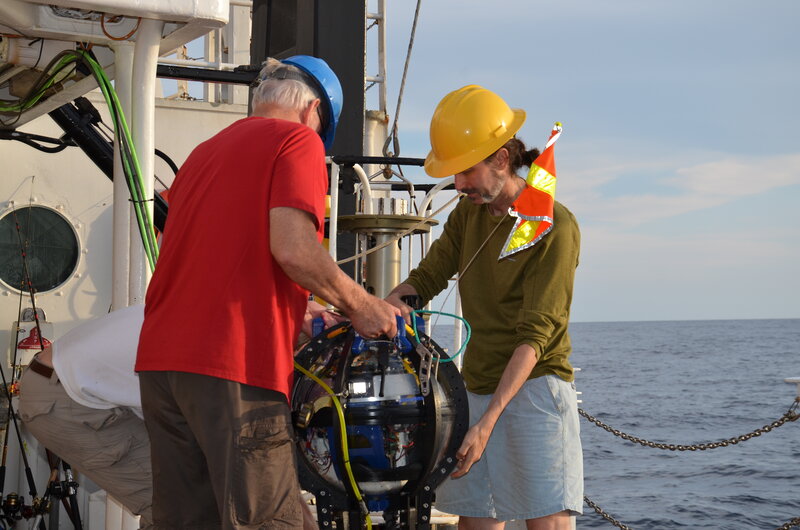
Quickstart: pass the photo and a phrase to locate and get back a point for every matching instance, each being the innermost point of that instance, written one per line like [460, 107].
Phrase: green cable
[415, 312]
[134, 172]
[130, 161]
[127, 149]
[343, 432]
[32, 99]
[131, 171]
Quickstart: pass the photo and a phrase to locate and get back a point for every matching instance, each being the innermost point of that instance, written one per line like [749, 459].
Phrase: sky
[680, 155]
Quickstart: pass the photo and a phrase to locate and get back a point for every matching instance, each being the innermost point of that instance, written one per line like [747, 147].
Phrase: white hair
[290, 93]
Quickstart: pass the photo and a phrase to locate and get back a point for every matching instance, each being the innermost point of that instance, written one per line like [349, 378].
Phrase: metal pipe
[365, 189]
[796, 381]
[121, 239]
[114, 513]
[426, 205]
[383, 267]
[382, 55]
[426, 202]
[216, 65]
[218, 58]
[11, 72]
[145, 61]
[333, 222]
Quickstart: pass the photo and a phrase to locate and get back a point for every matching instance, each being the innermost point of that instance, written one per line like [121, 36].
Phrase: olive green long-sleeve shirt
[522, 299]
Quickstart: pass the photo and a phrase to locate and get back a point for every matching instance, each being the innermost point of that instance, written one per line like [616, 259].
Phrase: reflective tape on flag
[534, 206]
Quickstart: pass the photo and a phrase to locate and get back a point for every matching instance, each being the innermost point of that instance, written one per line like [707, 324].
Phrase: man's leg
[110, 446]
[480, 523]
[246, 436]
[534, 455]
[183, 496]
[556, 521]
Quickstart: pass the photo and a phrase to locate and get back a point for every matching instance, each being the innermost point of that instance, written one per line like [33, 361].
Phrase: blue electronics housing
[401, 435]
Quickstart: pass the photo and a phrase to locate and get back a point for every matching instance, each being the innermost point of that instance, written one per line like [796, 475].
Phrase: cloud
[686, 275]
[689, 189]
[736, 177]
[686, 250]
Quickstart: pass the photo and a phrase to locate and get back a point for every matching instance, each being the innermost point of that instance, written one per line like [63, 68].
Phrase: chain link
[788, 524]
[790, 415]
[610, 518]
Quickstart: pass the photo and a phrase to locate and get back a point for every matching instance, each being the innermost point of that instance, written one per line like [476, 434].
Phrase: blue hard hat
[329, 87]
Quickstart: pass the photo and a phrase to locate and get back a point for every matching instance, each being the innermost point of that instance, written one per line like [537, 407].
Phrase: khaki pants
[222, 454]
[110, 446]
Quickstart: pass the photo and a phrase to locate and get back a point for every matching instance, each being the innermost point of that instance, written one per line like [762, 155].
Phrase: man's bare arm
[294, 245]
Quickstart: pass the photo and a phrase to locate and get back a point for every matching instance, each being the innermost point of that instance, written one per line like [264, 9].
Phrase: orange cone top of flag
[534, 206]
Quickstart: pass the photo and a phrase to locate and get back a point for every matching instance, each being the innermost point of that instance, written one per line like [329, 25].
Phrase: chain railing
[790, 524]
[789, 415]
[619, 524]
[605, 515]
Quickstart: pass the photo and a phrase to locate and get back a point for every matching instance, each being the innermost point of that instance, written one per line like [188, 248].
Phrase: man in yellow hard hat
[521, 458]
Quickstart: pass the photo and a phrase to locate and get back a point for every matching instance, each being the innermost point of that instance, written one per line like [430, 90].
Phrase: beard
[488, 195]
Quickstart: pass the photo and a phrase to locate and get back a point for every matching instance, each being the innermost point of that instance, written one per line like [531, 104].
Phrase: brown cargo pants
[222, 454]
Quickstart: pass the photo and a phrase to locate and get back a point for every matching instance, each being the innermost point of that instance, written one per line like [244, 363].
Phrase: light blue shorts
[533, 463]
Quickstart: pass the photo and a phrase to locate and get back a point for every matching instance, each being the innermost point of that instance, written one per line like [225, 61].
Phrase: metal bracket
[427, 366]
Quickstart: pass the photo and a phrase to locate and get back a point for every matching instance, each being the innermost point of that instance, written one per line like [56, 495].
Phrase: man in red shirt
[239, 255]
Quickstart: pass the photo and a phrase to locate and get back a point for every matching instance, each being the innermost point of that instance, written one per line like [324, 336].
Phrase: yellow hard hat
[469, 124]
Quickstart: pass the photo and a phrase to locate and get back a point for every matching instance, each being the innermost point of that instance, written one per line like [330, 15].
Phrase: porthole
[51, 248]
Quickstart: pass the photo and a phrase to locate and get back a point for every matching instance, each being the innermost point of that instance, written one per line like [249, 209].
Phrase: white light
[359, 387]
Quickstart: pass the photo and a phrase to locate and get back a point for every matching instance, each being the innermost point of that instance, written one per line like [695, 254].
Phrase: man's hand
[514, 376]
[374, 317]
[314, 310]
[471, 448]
[395, 298]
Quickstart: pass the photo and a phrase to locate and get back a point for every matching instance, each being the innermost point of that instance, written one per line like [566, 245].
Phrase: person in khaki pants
[80, 399]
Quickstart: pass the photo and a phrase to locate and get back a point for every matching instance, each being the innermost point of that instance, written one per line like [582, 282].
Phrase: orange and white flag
[534, 207]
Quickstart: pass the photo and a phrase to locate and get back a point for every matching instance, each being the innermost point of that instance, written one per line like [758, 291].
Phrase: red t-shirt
[218, 303]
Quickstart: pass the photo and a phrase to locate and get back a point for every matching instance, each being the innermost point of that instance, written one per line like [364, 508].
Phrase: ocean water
[687, 383]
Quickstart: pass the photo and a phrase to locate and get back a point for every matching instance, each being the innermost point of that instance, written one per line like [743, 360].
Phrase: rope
[789, 415]
[393, 136]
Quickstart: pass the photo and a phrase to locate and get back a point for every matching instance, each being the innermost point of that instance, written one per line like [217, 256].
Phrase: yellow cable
[410, 369]
[345, 449]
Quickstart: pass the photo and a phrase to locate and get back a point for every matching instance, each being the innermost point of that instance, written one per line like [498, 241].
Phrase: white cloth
[94, 361]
